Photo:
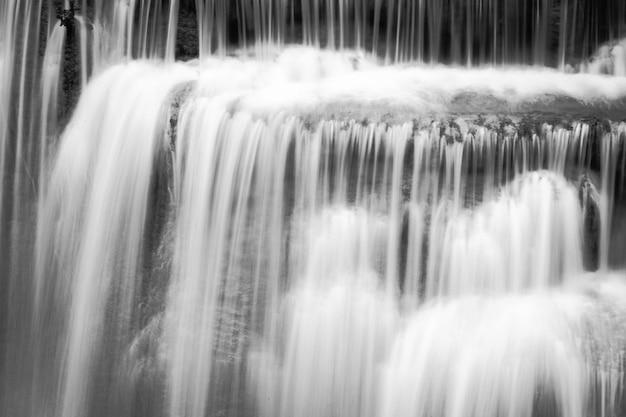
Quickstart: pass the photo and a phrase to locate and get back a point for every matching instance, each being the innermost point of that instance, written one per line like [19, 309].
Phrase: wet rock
[589, 201]
[187, 46]
[178, 98]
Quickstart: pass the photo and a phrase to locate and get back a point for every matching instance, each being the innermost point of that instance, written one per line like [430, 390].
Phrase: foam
[303, 80]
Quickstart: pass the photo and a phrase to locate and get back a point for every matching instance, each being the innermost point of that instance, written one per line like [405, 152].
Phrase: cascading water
[278, 230]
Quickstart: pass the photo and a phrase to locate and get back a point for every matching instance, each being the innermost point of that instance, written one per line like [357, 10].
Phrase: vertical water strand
[242, 12]
[306, 22]
[145, 7]
[268, 21]
[343, 151]
[518, 154]
[276, 205]
[269, 288]
[396, 140]
[453, 242]
[389, 36]
[305, 7]
[96, 43]
[435, 16]
[221, 12]
[243, 16]
[330, 24]
[51, 74]
[127, 35]
[339, 164]
[469, 31]
[411, 16]
[84, 43]
[378, 185]
[583, 149]
[403, 30]
[622, 181]
[272, 14]
[282, 10]
[259, 27]
[204, 14]
[459, 156]
[563, 34]
[172, 23]
[194, 290]
[609, 148]
[376, 26]
[343, 9]
[231, 326]
[557, 146]
[7, 16]
[474, 138]
[316, 22]
[363, 17]
[118, 48]
[455, 19]
[323, 134]
[413, 287]
[362, 141]
[509, 23]
[437, 212]
[23, 186]
[571, 41]
[576, 147]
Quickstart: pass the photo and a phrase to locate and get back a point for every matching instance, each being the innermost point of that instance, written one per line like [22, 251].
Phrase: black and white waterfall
[313, 208]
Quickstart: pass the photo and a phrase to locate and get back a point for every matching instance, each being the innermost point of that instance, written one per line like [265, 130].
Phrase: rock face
[71, 72]
[187, 35]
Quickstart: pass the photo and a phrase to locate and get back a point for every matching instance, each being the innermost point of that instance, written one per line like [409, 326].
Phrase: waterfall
[326, 208]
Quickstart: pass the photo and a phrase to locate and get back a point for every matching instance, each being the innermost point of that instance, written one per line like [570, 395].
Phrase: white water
[216, 257]
[95, 212]
[50, 81]
[303, 80]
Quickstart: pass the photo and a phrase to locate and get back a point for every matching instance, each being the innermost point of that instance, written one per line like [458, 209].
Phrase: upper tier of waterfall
[315, 84]
[556, 33]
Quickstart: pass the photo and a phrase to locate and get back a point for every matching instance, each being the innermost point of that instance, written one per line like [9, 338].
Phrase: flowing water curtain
[339, 303]
[91, 295]
[341, 246]
[228, 262]
[127, 29]
[536, 369]
[452, 31]
[287, 239]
